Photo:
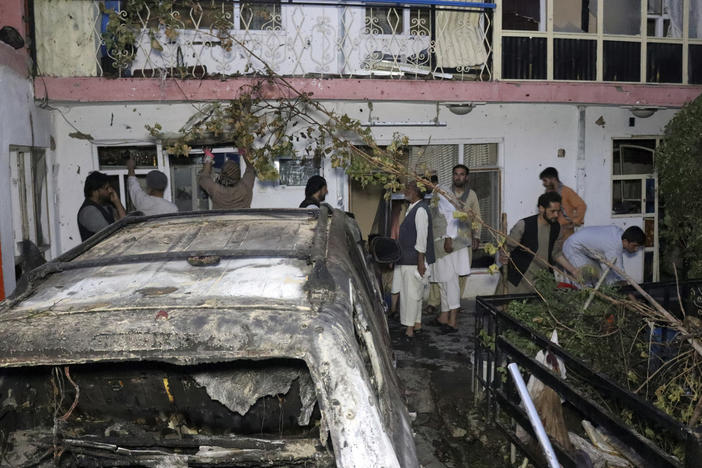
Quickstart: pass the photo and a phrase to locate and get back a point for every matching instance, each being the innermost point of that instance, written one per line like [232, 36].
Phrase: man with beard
[540, 233]
[101, 207]
[232, 191]
[572, 206]
[459, 242]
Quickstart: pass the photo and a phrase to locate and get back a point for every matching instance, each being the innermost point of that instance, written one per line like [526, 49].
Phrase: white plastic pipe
[534, 417]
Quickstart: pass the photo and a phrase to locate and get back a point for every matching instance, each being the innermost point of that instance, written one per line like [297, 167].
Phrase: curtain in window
[675, 10]
[459, 41]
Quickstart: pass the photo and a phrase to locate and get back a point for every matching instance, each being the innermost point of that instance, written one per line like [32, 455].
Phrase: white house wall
[22, 124]
[529, 137]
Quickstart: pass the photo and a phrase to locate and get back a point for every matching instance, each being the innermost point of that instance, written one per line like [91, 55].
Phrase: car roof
[259, 263]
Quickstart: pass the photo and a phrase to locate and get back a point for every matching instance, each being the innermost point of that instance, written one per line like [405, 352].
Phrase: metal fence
[493, 351]
[219, 38]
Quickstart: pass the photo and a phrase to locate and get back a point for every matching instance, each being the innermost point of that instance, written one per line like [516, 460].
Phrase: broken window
[632, 164]
[524, 15]
[30, 210]
[112, 160]
[579, 16]
[484, 179]
[622, 17]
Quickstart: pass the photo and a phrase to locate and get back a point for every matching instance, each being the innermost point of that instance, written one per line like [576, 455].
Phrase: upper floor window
[392, 21]
[263, 16]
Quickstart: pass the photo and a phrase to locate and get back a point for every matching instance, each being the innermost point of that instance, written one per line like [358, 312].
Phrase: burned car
[245, 338]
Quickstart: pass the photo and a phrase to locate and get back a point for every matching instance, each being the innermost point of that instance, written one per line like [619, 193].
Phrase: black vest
[107, 214]
[408, 237]
[521, 259]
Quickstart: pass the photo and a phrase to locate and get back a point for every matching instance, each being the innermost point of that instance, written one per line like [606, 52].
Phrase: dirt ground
[436, 370]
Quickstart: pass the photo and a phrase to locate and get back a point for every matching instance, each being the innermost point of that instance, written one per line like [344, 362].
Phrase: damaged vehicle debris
[245, 338]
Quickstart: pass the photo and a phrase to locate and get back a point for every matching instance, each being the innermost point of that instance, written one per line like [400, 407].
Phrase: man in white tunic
[417, 254]
[589, 245]
[150, 203]
[452, 269]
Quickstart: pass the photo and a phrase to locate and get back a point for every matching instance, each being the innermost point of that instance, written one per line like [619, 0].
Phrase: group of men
[232, 190]
[436, 237]
[436, 240]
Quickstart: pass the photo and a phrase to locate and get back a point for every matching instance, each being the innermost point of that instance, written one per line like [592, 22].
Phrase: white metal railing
[225, 38]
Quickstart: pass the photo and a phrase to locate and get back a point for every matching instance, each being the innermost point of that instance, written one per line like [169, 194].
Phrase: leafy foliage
[679, 164]
[615, 341]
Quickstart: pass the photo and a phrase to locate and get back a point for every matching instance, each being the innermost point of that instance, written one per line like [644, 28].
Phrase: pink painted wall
[153, 90]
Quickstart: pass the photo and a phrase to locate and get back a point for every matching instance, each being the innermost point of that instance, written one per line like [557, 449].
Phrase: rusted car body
[247, 338]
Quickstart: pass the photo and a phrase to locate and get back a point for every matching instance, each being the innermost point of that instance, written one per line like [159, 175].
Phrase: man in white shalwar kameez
[459, 241]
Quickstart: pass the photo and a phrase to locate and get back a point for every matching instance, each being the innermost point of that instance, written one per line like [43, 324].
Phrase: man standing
[587, 247]
[101, 207]
[417, 253]
[231, 191]
[315, 191]
[540, 233]
[572, 206]
[151, 203]
[459, 243]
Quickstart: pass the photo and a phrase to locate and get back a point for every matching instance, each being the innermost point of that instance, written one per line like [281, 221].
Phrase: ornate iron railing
[219, 38]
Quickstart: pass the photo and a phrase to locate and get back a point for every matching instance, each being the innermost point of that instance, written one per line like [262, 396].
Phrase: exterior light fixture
[643, 112]
[461, 108]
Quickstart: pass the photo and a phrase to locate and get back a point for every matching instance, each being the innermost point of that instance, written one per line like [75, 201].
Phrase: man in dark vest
[417, 249]
[541, 233]
[101, 207]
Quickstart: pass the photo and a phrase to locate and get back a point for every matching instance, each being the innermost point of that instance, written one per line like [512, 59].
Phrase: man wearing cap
[315, 191]
[150, 202]
[231, 191]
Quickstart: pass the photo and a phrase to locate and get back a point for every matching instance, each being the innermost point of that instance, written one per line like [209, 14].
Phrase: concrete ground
[436, 370]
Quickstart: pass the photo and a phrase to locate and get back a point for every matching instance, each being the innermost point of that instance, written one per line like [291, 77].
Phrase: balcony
[222, 38]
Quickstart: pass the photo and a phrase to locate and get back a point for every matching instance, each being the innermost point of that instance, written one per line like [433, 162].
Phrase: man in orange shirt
[572, 206]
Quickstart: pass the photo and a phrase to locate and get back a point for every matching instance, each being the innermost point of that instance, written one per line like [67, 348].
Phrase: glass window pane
[575, 16]
[664, 18]
[524, 58]
[296, 171]
[420, 21]
[523, 15]
[260, 16]
[632, 157]
[626, 196]
[622, 61]
[184, 184]
[650, 196]
[622, 17]
[694, 63]
[664, 63]
[486, 187]
[110, 157]
[574, 59]
[650, 231]
[383, 20]
[648, 267]
[141, 178]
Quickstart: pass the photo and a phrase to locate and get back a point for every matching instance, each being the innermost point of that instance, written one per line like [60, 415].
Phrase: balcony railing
[219, 38]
